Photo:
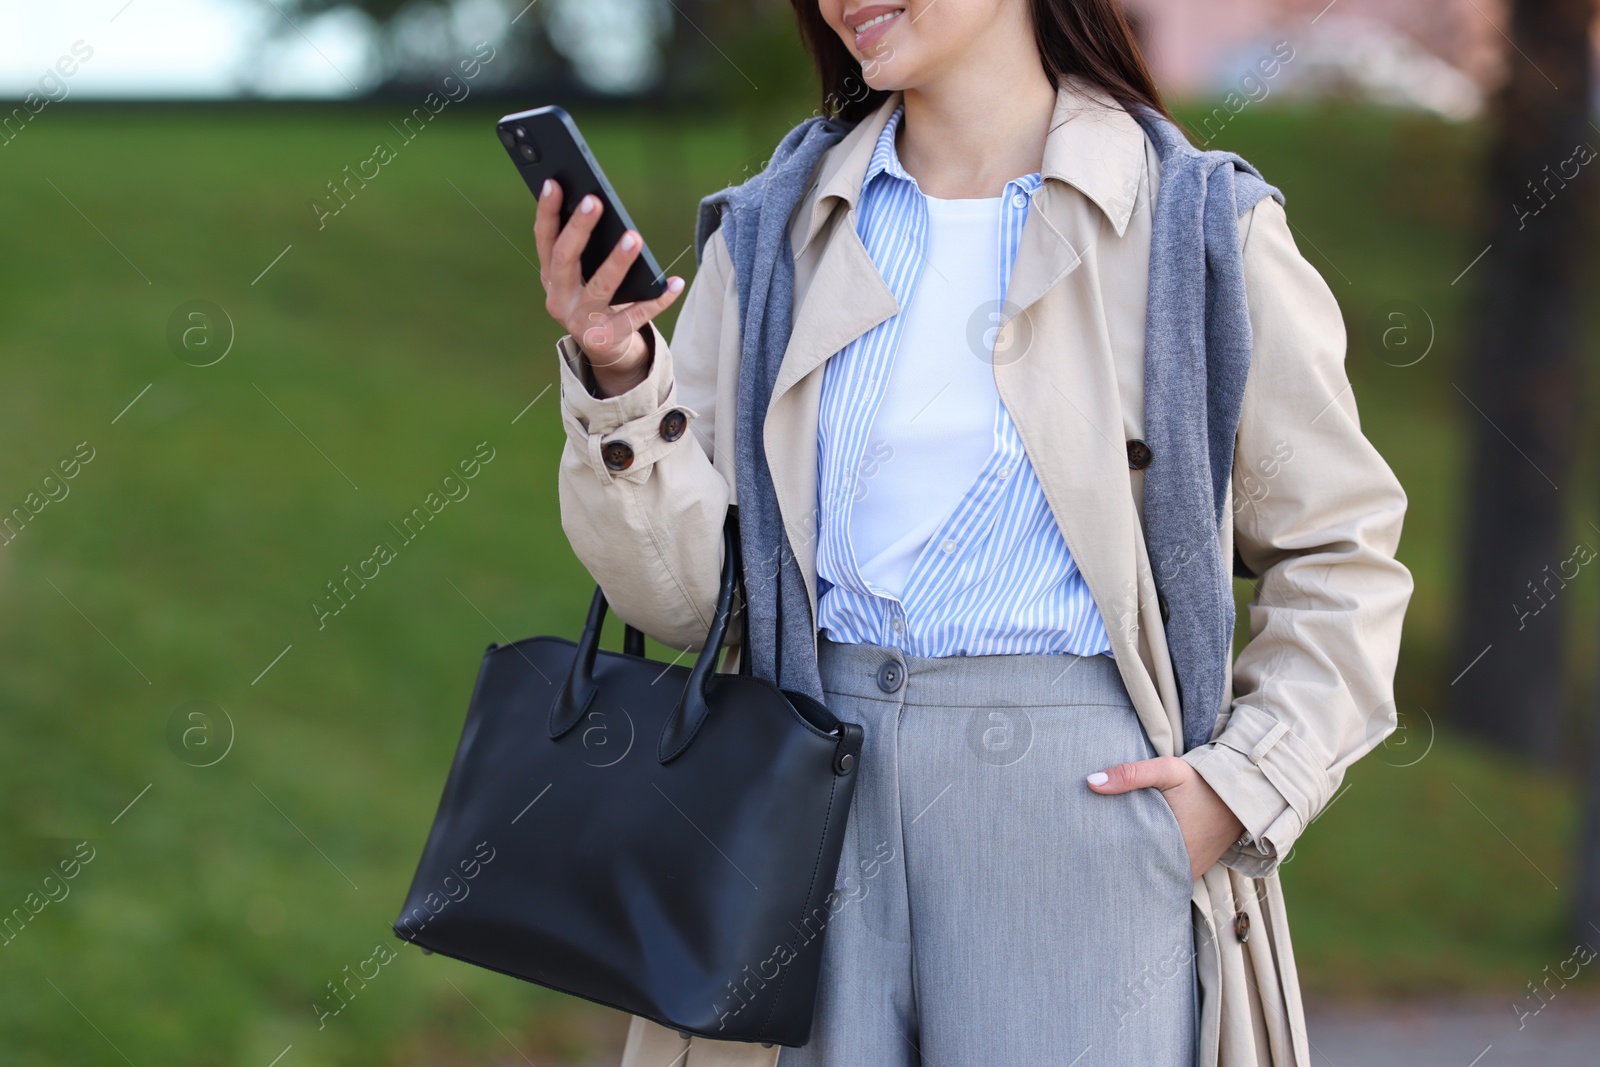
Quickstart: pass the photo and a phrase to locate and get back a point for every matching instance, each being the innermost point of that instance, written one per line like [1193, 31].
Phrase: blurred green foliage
[370, 357]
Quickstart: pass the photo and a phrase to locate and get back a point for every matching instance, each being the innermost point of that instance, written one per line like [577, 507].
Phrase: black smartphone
[545, 143]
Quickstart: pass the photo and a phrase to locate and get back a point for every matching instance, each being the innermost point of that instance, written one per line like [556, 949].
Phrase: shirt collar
[885, 159]
[1094, 146]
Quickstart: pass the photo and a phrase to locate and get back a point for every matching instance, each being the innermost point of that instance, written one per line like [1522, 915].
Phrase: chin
[887, 83]
[888, 72]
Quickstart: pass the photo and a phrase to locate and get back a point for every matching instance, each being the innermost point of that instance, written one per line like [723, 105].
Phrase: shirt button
[1003, 473]
[890, 676]
[1139, 455]
[618, 455]
[898, 625]
[1019, 200]
[949, 547]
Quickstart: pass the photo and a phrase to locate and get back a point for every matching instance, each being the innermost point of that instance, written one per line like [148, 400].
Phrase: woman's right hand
[609, 334]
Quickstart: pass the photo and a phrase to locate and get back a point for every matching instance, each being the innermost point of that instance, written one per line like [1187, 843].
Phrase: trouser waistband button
[890, 676]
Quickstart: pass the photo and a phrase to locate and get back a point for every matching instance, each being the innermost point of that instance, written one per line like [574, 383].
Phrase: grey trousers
[991, 909]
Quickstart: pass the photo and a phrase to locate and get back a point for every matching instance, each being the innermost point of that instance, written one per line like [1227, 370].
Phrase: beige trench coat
[1317, 512]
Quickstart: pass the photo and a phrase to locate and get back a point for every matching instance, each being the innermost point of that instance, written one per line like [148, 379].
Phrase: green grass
[1433, 877]
[395, 339]
[187, 554]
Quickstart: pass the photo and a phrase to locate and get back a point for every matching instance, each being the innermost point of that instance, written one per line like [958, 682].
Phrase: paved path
[1479, 1033]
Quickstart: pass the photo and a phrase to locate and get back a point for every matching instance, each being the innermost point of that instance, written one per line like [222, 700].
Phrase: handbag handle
[579, 689]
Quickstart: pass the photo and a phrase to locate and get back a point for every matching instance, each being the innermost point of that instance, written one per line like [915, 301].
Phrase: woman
[999, 479]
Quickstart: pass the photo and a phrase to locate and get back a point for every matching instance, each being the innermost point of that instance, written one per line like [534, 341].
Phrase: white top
[935, 426]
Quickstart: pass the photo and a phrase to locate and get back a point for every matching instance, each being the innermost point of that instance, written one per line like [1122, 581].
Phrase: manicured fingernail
[1099, 778]
[674, 284]
[544, 190]
[628, 241]
[588, 205]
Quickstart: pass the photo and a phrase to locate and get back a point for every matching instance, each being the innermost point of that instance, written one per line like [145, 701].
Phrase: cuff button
[618, 455]
[673, 423]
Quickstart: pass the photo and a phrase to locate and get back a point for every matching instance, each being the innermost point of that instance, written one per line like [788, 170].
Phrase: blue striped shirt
[997, 576]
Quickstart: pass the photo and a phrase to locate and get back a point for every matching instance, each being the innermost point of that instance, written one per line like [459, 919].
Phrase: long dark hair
[1089, 38]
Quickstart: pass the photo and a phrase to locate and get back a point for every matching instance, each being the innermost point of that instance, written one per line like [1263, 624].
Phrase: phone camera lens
[508, 138]
[527, 151]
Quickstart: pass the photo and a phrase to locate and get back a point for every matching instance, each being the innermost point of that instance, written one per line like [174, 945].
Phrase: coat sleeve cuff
[1256, 767]
[634, 418]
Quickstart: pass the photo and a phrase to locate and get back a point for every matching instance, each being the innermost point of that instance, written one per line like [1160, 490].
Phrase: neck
[972, 130]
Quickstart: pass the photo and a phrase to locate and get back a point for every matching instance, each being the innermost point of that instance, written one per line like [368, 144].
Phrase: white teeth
[867, 25]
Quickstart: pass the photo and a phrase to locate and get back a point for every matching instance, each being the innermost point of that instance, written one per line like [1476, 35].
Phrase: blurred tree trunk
[1525, 381]
[698, 55]
[1586, 914]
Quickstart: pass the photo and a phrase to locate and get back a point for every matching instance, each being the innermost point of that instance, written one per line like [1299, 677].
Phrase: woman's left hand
[1209, 826]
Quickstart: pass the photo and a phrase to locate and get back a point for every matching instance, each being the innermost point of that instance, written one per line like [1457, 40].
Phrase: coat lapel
[839, 296]
[1046, 252]
[1056, 374]
[1056, 367]
[846, 298]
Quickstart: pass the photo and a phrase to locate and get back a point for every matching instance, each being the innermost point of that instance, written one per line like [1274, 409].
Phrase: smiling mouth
[870, 30]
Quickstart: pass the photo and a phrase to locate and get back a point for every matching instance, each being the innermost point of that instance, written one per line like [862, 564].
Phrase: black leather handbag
[661, 839]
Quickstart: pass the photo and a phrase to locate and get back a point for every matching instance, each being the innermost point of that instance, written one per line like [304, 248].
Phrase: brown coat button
[1139, 455]
[673, 424]
[1241, 927]
[618, 455]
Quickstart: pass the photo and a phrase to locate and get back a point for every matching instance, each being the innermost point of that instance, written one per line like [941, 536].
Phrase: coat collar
[1094, 146]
